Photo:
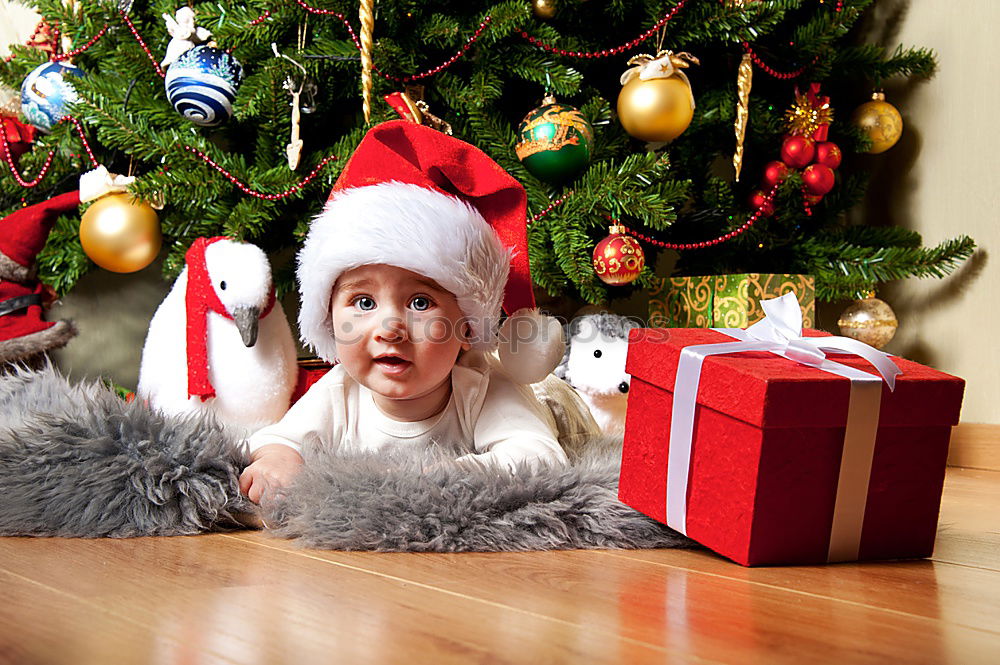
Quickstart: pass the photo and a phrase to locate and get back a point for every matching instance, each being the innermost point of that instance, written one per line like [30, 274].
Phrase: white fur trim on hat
[410, 227]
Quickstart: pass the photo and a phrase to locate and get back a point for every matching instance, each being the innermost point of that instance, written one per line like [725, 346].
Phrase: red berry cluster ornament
[805, 147]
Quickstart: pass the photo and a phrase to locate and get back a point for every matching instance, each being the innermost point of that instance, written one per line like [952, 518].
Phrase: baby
[402, 278]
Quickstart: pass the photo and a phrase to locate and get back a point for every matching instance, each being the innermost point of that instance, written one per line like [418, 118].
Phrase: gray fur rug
[76, 460]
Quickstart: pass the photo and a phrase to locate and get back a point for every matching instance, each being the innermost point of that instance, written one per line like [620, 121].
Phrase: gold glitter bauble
[120, 234]
[618, 259]
[656, 109]
[879, 121]
[871, 321]
[544, 9]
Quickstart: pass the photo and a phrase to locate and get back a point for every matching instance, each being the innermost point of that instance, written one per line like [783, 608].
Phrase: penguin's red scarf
[199, 299]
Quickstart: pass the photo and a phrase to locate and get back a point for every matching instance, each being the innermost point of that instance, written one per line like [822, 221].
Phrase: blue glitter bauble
[46, 93]
[202, 85]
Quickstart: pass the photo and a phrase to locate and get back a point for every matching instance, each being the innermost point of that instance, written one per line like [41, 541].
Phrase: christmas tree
[313, 71]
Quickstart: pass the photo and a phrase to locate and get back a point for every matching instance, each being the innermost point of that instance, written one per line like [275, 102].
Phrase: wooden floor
[249, 598]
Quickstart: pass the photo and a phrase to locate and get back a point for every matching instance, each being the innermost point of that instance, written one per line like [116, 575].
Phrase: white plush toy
[220, 341]
[594, 364]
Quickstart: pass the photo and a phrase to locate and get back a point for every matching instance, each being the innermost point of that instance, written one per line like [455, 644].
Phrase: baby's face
[398, 333]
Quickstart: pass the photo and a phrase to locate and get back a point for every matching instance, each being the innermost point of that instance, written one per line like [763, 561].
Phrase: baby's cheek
[438, 330]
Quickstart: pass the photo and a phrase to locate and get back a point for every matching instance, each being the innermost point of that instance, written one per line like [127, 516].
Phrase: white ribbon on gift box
[780, 332]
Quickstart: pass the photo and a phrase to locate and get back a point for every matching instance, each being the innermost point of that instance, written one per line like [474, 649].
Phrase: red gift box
[311, 370]
[767, 445]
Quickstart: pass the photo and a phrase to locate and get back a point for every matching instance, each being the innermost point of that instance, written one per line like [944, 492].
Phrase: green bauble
[554, 141]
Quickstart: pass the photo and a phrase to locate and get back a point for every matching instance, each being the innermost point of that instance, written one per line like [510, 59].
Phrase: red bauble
[774, 173]
[812, 199]
[618, 259]
[818, 179]
[828, 154]
[797, 151]
[758, 200]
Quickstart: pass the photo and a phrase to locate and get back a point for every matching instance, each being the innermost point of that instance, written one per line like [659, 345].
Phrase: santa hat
[23, 234]
[417, 199]
[23, 333]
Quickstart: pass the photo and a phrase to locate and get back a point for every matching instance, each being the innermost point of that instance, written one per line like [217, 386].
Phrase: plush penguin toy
[594, 364]
[220, 341]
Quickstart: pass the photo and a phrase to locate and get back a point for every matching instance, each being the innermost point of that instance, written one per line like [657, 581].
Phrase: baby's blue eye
[364, 303]
[421, 304]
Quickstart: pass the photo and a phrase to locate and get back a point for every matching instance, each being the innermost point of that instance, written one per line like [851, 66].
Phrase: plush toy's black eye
[623, 387]
[597, 353]
[222, 285]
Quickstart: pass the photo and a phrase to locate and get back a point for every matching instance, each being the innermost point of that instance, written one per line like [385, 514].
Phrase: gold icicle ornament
[744, 80]
[366, 12]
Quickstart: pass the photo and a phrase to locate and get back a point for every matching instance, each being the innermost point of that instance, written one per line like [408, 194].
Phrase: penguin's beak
[247, 319]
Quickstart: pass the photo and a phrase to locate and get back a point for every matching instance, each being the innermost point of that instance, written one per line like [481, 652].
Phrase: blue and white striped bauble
[202, 85]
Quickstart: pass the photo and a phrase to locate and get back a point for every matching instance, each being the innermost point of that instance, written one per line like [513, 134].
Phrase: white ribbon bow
[98, 182]
[782, 326]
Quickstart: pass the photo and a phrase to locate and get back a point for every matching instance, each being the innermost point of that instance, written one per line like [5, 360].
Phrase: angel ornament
[184, 34]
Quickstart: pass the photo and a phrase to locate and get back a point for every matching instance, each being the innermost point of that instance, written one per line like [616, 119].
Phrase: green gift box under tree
[725, 301]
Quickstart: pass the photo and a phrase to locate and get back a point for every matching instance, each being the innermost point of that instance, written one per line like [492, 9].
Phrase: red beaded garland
[769, 198]
[260, 19]
[776, 74]
[135, 33]
[252, 192]
[77, 51]
[759, 200]
[607, 52]
[48, 160]
[389, 77]
[31, 40]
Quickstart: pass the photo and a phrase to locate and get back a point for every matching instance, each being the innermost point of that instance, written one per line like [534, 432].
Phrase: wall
[940, 180]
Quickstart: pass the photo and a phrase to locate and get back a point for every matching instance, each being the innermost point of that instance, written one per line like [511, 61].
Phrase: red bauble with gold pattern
[818, 179]
[828, 154]
[797, 151]
[618, 259]
[812, 199]
[758, 200]
[774, 173]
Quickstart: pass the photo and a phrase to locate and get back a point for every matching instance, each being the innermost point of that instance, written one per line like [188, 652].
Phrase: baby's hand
[273, 467]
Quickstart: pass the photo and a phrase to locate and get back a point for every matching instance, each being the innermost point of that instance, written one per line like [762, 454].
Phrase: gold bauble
[879, 121]
[871, 321]
[120, 234]
[544, 9]
[656, 109]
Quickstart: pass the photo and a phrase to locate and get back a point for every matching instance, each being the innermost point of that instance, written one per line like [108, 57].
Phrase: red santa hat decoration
[23, 233]
[420, 200]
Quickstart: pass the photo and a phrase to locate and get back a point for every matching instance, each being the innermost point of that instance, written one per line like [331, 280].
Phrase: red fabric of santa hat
[23, 333]
[415, 198]
[23, 234]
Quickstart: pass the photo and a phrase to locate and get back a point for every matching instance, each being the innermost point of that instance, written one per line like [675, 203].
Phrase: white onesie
[488, 418]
